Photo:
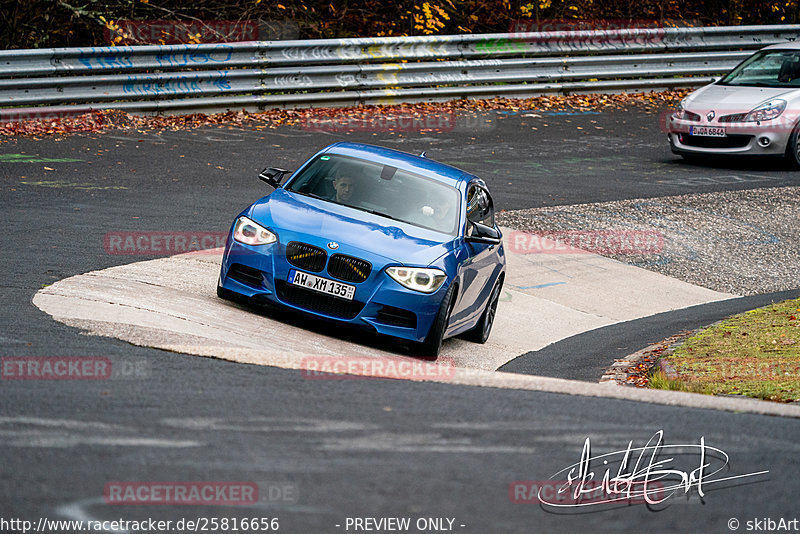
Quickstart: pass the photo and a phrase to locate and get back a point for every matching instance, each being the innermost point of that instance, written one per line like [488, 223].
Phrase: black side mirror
[273, 176]
[486, 235]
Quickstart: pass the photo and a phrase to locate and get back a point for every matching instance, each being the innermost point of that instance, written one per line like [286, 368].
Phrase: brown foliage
[55, 23]
[101, 121]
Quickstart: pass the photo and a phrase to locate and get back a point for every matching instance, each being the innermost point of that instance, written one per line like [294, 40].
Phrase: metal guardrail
[259, 75]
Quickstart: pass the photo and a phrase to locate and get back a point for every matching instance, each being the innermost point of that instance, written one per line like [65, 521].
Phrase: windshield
[380, 189]
[768, 68]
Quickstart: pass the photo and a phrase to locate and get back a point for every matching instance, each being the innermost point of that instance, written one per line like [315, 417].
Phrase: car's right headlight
[423, 279]
[251, 233]
[680, 113]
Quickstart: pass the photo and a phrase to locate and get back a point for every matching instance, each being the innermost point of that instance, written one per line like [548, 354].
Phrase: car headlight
[252, 233]
[766, 111]
[680, 113]
[425, 280]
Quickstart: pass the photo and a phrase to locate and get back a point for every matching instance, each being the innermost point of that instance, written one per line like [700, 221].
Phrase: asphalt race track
[323, 451]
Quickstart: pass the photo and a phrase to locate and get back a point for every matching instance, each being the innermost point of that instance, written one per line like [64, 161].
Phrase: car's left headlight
[423, 279]
[251, 233]
[766, 111]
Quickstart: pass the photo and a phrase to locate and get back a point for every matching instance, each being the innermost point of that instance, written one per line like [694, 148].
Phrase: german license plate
[707, 131]
[322, 285]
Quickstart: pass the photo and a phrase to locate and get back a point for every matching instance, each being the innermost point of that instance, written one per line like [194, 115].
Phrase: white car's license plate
[707, 131]
[322, 285]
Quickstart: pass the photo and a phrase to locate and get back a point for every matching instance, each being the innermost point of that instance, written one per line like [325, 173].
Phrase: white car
[753, 110]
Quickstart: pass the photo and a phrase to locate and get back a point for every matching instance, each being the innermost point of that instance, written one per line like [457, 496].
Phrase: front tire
[433, 342]
[793, 148]
[481, 332]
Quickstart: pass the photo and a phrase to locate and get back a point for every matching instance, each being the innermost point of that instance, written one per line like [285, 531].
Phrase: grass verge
[754, 354]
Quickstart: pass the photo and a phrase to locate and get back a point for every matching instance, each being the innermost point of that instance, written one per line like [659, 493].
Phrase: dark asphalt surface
[586, 356]
[365, 448]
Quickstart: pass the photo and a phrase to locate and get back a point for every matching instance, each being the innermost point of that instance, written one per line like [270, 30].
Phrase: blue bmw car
[372, 237]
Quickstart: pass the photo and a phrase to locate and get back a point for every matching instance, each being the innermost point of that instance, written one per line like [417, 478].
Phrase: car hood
[728, 99]
[297, 217]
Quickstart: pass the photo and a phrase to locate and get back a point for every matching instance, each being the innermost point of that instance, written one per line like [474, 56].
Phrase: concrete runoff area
[743, 242]
[170, 304]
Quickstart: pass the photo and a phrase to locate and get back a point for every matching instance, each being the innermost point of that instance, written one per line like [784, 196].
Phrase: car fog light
[764, 141]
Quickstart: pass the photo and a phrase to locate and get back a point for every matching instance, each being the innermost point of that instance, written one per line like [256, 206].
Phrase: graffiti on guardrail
[310, 53]
[112, 60]
[153, 86]
[109, 58]
[431, 78]
[293, 80]
[346, 80]
[422, 50]
[219, 54]
[362, 57]
[352, 50]
[567, 34]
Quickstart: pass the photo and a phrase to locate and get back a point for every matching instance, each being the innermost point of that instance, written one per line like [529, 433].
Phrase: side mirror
[273, 176]
[486, 235]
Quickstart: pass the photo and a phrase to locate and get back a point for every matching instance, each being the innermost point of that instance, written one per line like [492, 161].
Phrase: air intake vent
[397, 317]
[317, 302]
[730, 141]
[246, 275]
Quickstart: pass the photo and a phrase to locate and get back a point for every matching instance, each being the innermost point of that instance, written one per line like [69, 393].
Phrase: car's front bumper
[380, 303]
[752, 139]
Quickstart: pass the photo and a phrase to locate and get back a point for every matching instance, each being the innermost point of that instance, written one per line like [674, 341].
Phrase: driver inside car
[344, 185]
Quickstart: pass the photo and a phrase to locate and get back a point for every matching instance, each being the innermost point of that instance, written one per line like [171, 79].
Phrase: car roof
[788, 45]
[402, 160]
